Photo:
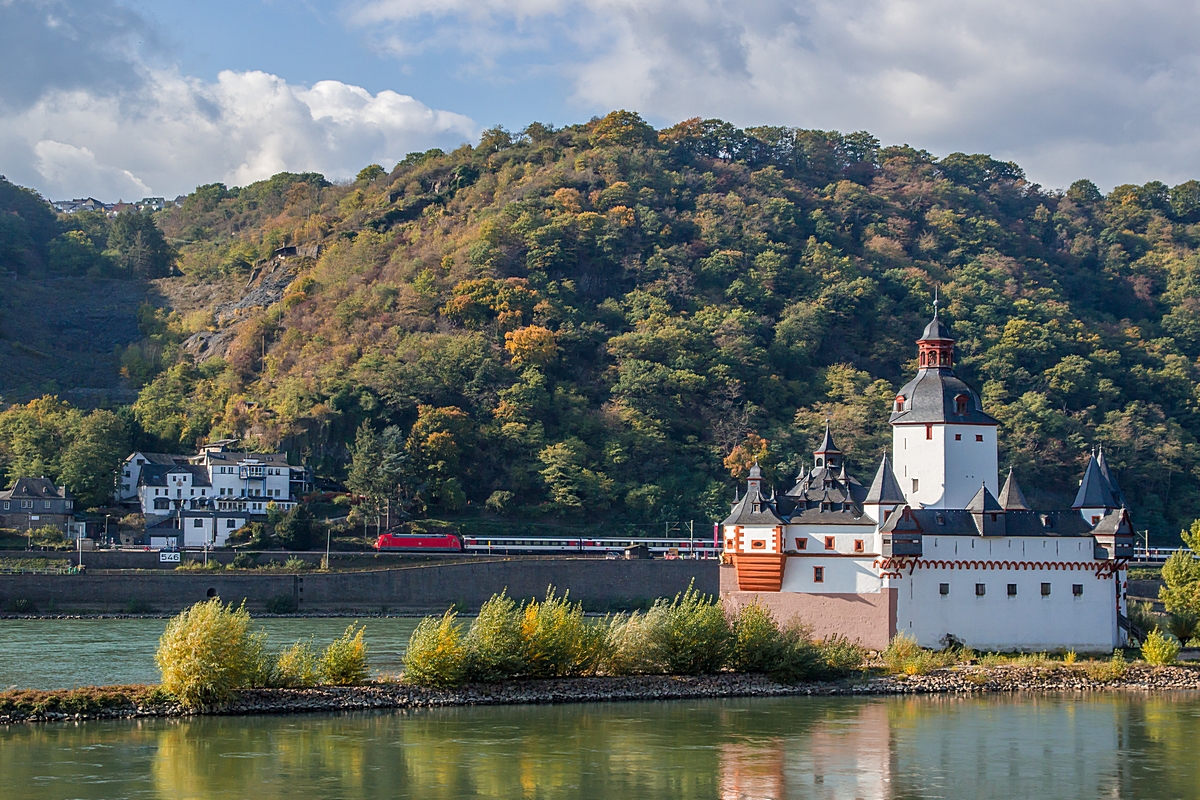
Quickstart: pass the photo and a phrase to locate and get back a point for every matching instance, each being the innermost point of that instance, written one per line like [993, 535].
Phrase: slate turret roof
[983, 502]
[1011, 497]
[885, 488]
[1094, 490]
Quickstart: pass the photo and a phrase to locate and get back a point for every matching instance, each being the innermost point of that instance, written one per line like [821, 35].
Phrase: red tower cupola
[935, 348]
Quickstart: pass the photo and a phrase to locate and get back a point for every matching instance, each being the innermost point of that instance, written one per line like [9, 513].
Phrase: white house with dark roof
[217, 490]
[931, 548]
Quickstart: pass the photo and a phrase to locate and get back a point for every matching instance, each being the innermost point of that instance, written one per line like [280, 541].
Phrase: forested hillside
[604, 321]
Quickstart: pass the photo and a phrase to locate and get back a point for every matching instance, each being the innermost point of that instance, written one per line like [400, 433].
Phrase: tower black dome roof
[936, 329]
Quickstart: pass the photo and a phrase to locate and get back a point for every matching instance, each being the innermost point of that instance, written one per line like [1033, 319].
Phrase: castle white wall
[996, 621]
[842, 575]
[949, 467]
[844, 537]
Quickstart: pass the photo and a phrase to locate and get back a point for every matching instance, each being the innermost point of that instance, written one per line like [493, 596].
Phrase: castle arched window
[960, 405]
[922, 358]
[933, 358]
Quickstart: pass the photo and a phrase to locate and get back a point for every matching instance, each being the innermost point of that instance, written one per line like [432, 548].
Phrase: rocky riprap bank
[144, 701]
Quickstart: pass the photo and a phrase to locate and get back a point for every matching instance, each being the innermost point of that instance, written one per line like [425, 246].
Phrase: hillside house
[36, 503]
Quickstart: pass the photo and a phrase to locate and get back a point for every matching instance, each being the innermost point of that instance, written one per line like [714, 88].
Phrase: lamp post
[327, 535]
[107, 537]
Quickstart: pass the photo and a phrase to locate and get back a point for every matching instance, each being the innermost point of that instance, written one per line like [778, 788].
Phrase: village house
[931, 548]
[217, 490]
[36, 503]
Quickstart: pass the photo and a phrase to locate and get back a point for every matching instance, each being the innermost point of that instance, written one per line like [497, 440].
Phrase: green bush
[904, 656]
[695, 634]
[634, 643]
[757, 641]
[1159, 650]
[297, 666]
[799, 658]
[840, 655]
[207, 653]
[559, 641]
[344, 662]
[495, 646]
[436, 654]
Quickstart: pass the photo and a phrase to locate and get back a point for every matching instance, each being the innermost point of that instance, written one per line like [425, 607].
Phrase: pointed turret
[987, 513]
[828, 454]
[1118, 497]
[885, 493]
[1094, 489]
[1011, 497]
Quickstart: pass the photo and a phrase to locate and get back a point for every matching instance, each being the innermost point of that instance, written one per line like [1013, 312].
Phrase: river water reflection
[762, 749]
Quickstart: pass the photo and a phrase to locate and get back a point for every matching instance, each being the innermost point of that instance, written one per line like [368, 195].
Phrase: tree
[295, 530]
[137, 246]
[532, 345]
[90, 462]
[625, 128]
[370, 173]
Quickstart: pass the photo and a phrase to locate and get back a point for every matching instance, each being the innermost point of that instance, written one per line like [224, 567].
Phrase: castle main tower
[943, 443]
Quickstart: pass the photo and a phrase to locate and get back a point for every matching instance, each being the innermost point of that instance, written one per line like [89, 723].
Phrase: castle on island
[931, 548]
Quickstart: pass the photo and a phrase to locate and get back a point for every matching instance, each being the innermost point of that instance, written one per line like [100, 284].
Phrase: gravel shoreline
[21, 707]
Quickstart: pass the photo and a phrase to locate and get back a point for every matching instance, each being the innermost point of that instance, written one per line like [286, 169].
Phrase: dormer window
[899, 402]
[820, 461]
[960, 405]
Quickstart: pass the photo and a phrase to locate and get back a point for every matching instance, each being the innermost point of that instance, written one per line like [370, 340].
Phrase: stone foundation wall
[869, 618]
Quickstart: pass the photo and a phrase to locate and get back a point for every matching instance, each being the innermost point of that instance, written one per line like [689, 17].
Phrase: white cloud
[1106, 89]
[171, 133]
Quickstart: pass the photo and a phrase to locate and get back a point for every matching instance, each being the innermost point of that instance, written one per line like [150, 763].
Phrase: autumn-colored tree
[532, 345]
[753, 450]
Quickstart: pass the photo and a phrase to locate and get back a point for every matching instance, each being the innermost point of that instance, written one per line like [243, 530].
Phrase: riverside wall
[418, 588]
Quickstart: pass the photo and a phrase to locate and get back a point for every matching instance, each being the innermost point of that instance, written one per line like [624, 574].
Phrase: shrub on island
[689, 635]
[208, 653]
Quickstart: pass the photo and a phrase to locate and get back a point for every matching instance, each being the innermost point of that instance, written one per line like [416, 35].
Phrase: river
[65, 653]
[1110, 746]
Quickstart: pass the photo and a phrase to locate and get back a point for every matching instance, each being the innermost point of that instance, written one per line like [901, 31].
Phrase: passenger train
[505, 545]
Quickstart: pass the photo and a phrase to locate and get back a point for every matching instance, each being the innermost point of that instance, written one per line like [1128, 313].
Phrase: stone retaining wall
[420, 588]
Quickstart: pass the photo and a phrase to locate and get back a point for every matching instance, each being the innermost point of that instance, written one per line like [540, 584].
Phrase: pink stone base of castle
[869, 619]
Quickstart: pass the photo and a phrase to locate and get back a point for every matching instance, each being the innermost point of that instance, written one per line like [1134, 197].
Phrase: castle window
[820, 461]
[1012, 590]
[1095, 519]
[979, 437]
[1045, 590]
[980, 589]
[900, 402]
[818, 574]
[829, 542]
[859, 546]
[928, 431]
[958, 437]
[197, 523]
[940, 519]
[960, 405]
[943, 589]
[802, 544]
[916, 485]
[922, 358]
[993, 517]
[1077, 589]
[758, 544]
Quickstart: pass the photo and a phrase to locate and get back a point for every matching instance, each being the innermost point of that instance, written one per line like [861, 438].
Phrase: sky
[121, 99]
